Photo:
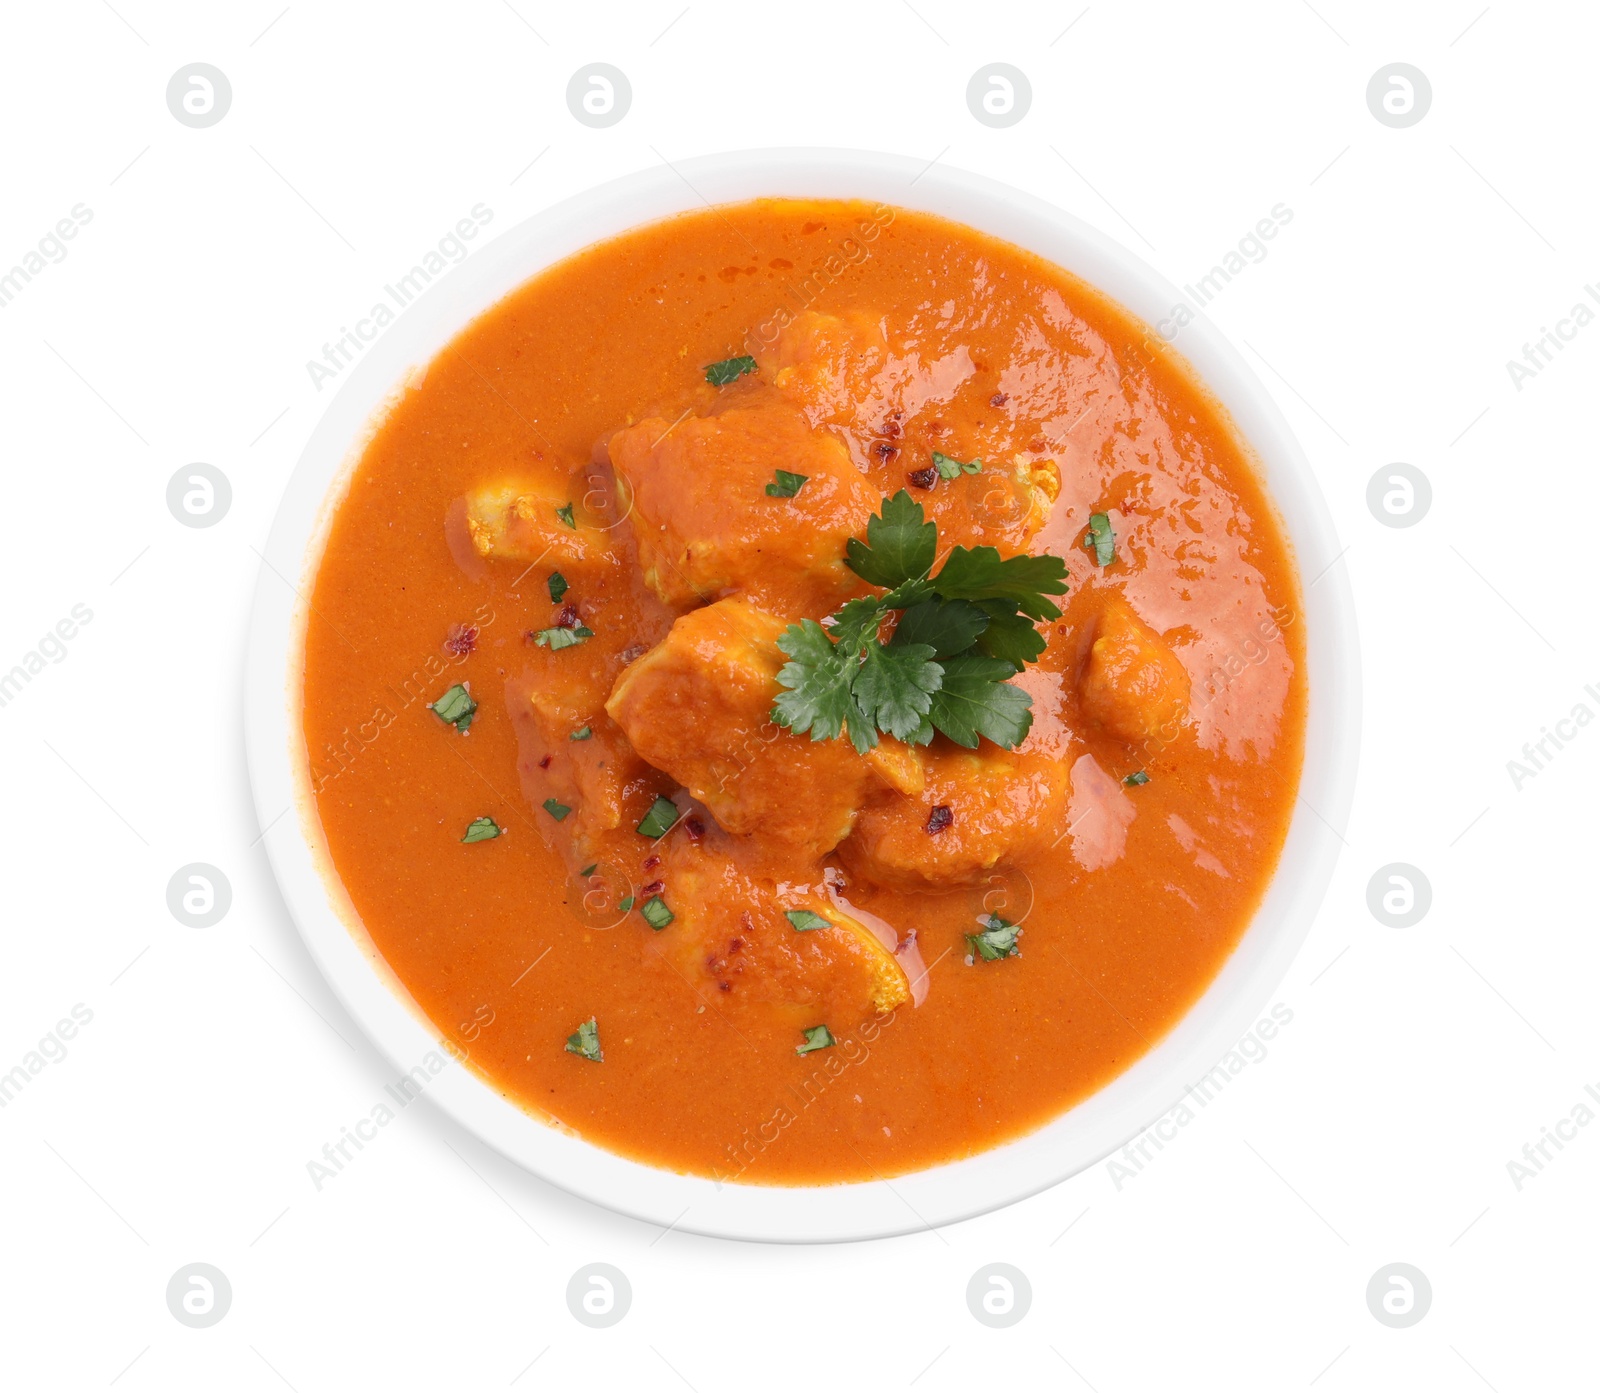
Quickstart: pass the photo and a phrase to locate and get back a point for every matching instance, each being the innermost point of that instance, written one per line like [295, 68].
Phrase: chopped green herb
[1101, 540]
[590, 869]
[997, 940]
[456, 707]
[804, 919]
[482, 829]
[585, 1041]
[559, 638]
[558, 587]
[961, 634]
[656, 914]
[583, 734]
[785, 484]
[625, 903]
[556, 810]
[565, 514]
[1134, 780]
[660, 819]
[953, 468]
[729, 369]
[818, 1037]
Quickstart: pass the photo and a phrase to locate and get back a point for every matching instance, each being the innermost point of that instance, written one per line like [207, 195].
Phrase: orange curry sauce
[887, 334]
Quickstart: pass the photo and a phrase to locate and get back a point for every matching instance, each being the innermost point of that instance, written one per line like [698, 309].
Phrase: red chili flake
[545, 762]
[922, 478]
[567, 617]
[885, 451]
[655, 887]
[633, 652]
[998, 399]
[651, 862]
[940, 818]
[893, 427]
[461, 639]
[695, 828]
[735, 944]
[725, 986]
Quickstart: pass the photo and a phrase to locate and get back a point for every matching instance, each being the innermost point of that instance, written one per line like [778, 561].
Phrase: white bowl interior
[1080, 1136]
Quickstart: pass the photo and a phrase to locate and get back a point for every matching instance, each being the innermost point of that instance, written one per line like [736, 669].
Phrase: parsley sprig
[961, 635]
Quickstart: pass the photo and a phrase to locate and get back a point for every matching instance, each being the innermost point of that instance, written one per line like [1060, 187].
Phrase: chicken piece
[698, 705]
[706, 524]
[1133, 686]
[1004, 505]
[518, 520]
[845, 373]
[837, 368]
[974, 811]
[599, 778]
[732, 935]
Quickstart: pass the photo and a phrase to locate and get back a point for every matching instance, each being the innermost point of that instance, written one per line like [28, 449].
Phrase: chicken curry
[803, 691]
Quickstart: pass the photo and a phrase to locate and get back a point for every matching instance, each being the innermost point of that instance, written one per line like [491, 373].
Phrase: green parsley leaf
[729, 370]
[894, 686]
[818, 1037]
[947, 626]
[590, 869]
[656, 914]
[975, 699]
[585, 1041]
[565, 514]
[456, 707]
[804, 919]
[1100, 539]
[997, 940]
[961, 634]
[583, 734]
[1135, 779]
[482, 829]
[556, 810]
[953, 468]
[1010, 635]
[558, 587]
[558, 638]
[785, 484]
[625, 903]
[900, 546]
[819, 679]
[660, 820]
[978, 573]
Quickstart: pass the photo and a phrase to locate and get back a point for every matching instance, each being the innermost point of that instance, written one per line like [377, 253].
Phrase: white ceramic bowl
[1079, 1137]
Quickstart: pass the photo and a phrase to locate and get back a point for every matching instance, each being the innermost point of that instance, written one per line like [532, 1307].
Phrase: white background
[1419, 1061]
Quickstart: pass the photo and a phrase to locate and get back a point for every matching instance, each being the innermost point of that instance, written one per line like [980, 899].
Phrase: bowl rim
[1077, 1138]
